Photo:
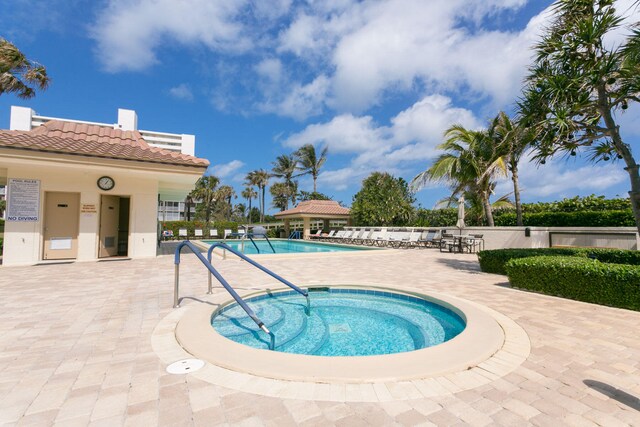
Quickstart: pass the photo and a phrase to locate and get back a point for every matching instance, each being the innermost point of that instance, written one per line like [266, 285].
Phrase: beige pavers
[76, 349]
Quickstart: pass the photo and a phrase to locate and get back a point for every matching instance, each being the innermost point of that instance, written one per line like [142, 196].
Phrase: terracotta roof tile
[318, 207]
[95, 141]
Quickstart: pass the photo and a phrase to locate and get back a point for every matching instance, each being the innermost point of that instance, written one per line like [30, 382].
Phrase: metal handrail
[250, 236]
[227, 286]
[259, 267]
[295, 234]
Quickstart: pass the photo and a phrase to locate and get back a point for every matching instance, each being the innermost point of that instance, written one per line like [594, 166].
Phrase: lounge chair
[412, 241]
[328, 236]
[362, 237]
[345, 237]
[213, 233]
[426, 239]
[339, 234]
[397, 237]
[381, 239]
[197, 233]
[227, 232]
[182, 232]
[317, 235]
[372, 237]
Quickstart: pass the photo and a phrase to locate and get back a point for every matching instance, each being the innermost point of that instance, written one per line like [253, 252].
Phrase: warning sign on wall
[23, 200]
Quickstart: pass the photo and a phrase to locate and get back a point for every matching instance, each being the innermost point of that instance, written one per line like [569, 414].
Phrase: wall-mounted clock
[106, 183]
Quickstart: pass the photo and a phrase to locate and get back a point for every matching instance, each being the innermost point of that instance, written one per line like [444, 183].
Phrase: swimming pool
[342, 322]
[284, 246]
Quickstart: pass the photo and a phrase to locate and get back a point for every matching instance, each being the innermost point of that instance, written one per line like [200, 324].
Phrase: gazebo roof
[316, 208]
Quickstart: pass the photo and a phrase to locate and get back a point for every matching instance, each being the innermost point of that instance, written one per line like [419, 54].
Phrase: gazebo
[314, 209]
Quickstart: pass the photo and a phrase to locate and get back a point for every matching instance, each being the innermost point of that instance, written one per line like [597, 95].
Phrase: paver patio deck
[75, 348]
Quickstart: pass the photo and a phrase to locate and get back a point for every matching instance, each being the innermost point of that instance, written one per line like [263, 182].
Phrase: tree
[285, 167]
[239, 213]
[205, 191]
[18, 74]
[470, 164]
[280, 193]
[303, 196]
[188, 201]
[224, 194]
[382, 201]
[515, 139]
[254, 215]
[259, 178]
[249, 193]
[578, 83]
[310, 163]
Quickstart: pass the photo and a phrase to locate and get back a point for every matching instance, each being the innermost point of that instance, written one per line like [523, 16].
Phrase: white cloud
[271, 69]
[298, 101]
[226, 169]
[182, 91]
[406, 41]
[411, 137]
[128, 33]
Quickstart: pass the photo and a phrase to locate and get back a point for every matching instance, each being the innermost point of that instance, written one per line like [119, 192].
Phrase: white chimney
[127, 119]
[20, 118]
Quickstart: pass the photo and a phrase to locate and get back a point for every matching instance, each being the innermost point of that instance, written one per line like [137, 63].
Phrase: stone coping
[491, 346]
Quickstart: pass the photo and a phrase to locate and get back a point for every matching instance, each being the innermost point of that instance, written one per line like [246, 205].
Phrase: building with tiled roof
[314, 209]
[86, 190]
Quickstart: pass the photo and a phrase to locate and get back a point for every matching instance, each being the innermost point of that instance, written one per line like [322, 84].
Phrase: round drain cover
[185, 366]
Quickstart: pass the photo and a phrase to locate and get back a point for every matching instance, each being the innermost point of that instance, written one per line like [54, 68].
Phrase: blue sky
[377, 82]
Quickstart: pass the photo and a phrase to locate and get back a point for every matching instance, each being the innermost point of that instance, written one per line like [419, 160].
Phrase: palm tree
[285, 167]
[310, 163]
[281, 194]
[205, 191]
[249, 193]
[17, 72]
[515, 139]
[259, 178]
[224, 194]
[470, 164]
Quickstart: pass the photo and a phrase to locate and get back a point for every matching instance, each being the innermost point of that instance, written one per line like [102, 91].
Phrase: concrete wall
[544, 237]
[23, 242]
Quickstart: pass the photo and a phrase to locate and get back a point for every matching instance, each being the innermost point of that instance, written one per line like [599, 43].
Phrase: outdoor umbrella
[460, 223]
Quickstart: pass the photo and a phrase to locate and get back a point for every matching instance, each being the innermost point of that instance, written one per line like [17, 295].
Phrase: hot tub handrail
[260, 267]
[227, 286]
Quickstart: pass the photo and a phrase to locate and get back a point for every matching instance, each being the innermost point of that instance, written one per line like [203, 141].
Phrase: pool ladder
[227, 286]
[250, 236]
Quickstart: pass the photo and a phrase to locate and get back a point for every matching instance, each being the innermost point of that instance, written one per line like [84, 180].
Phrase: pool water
[343, 322]
[284, 246]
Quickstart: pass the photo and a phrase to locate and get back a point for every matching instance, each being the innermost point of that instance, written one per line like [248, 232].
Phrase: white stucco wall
[23, 242]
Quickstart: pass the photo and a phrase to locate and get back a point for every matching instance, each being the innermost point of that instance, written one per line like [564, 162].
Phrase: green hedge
[617, 218]
[436, 217]
[493, 261]
[578, 278]
[192, 225]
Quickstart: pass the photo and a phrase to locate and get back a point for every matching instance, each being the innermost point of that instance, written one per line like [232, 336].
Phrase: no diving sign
[23, 200]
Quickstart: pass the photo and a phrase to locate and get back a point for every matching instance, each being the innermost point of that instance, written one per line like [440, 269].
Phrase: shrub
[581, 279]
[1, 245]
[614, 218]
[436, 217]
[493, 261]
